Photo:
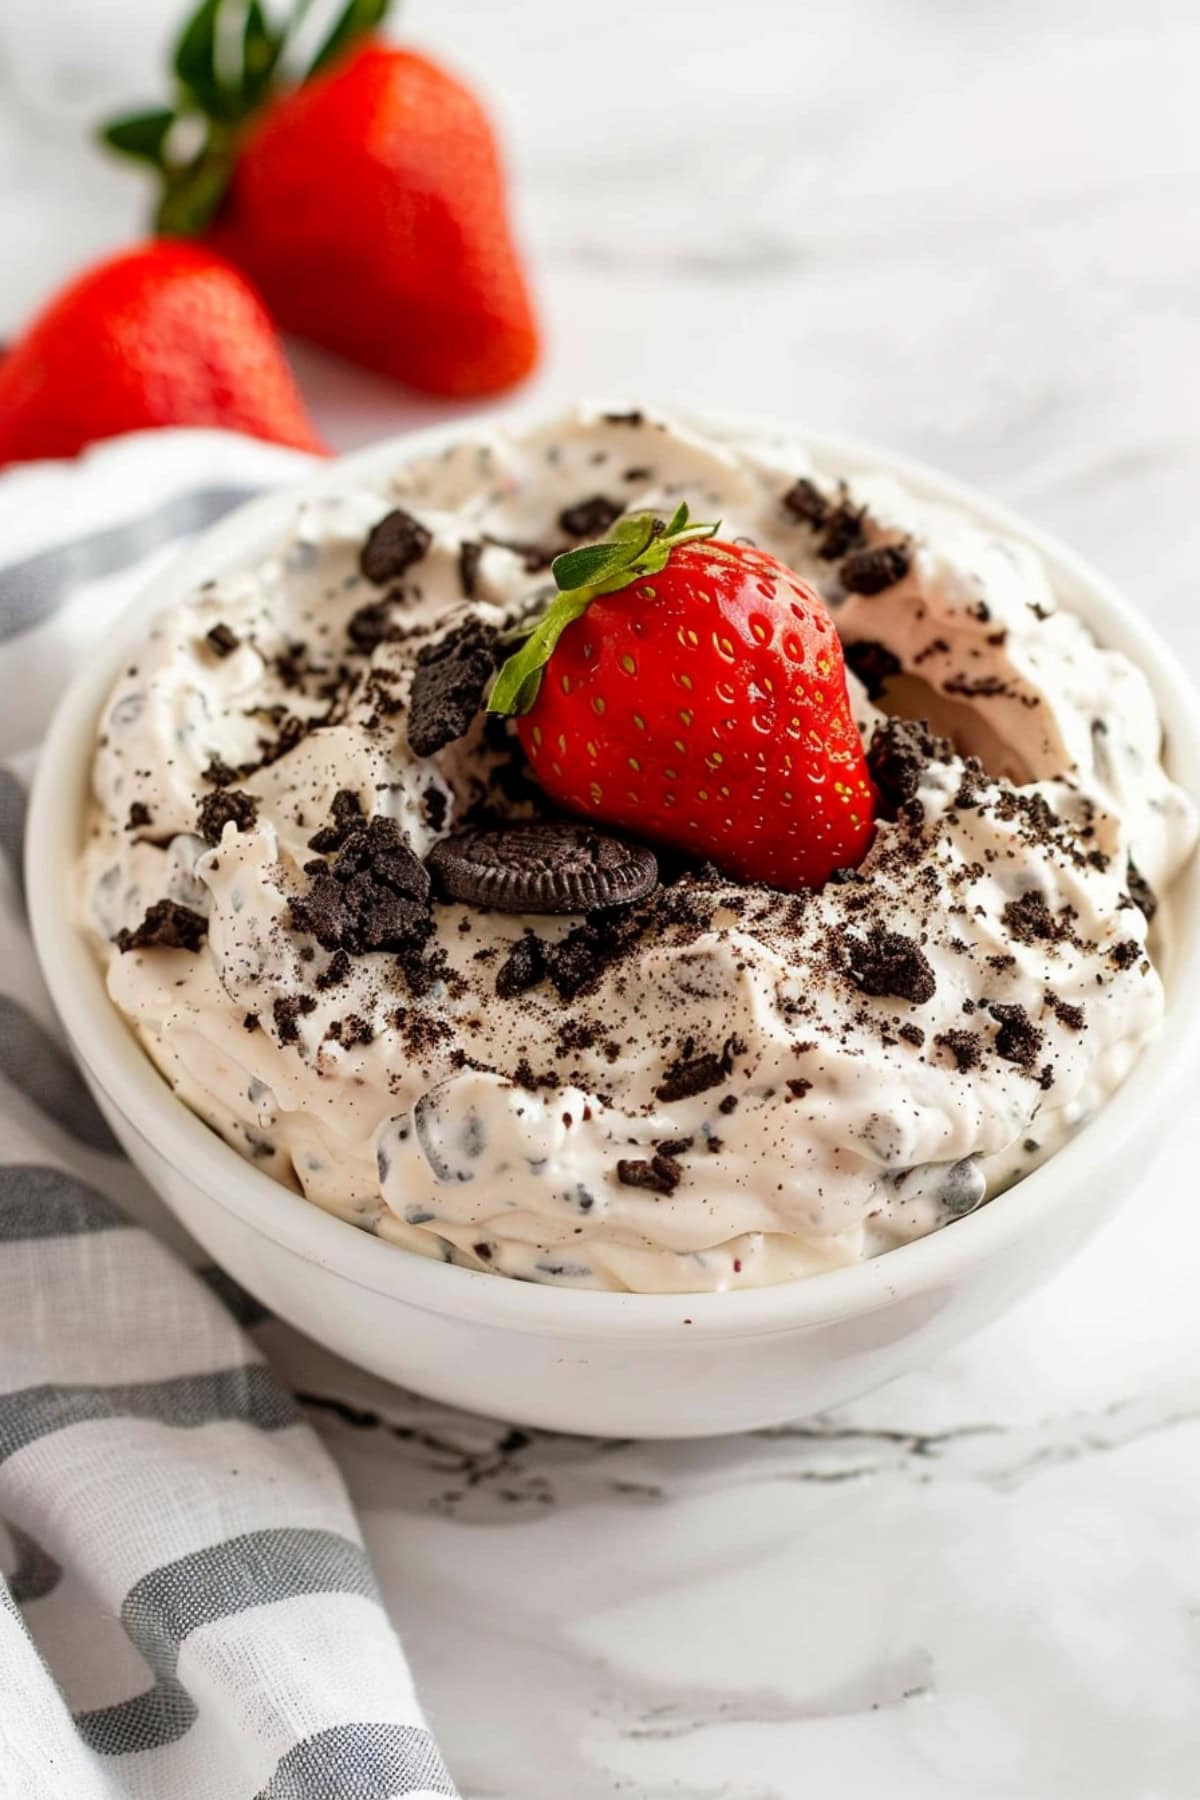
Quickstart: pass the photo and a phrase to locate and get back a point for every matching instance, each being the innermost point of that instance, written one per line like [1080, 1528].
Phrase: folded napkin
[186, 1608]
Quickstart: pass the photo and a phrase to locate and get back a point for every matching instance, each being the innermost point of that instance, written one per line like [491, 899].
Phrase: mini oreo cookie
[538, 866]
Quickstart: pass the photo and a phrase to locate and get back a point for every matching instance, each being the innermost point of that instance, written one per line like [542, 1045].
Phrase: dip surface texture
[716, 1084]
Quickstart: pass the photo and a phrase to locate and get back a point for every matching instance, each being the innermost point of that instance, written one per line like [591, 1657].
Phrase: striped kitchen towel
[186, 1609]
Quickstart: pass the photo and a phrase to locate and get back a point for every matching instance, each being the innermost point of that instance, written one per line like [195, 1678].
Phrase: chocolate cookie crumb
[346, 815]
[393, 546]
[963, 1046]
[373, 624]
[139, 816]
[219, 774]
[728, 1105]
[1029, 919]
[873, 663]
[897, 758]
[250, 1022]
[1018, 1039]
[469, 553]
[873, 570]
[660, 1175]
[166, 926]
[1140, 892]
[798, 1086]
[590, 518]
[335, 971]
[227, 805]
[221, 640]
[843, 532]
[375, 895]
[805, 501]
[691, 1074]
[523, 968]
[912, 1034]
[888, 964]
[448, 686]
[1125, 954]
[286, 1011]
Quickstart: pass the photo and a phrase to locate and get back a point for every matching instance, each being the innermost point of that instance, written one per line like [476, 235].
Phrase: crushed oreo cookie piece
[659, 1175]
[287, 1011]
[448, 686]
[964, 1048]
[693, 1074]
[874, 570]
[375, 895]
[522, 968]
[542, 866]
[590, 518]
[372, 625]
[166, 926]
[469, 553]
[219, 774]
[843, 532]
[139, 816]
[346, 815]
[1018, 1039]
[1140, 892]
[805, 501]
[888, 965]
[897, 757]
[874, 664]
[1029, 920]
[221, 640]
[226, 806]
[393, 546]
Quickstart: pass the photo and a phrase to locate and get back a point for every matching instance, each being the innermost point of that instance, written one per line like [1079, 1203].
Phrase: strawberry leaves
[228, 62]
[638, 545]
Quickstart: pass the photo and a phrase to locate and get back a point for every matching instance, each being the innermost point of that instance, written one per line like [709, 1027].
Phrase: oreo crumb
[226, 806]
[691, 1074]
[375, 895]
[590, 518]
[346, 815]
[873, 570]
[1029, 920]
[469, 553]
[897, 758]
[659, 1176]
[888, 964]
[221, 640]
[373, 624]
[874, 664]
[1140, 892]
[912, 1034]
[286, 1011]
[393, 546]
[964, 1047]
[219, 774]
[335, 971]
[523, 968]
[843, 532]
[805, 501]
[448, 686]
[1018, 1039]
[139, 816]
[250, 1022]
[166, 926]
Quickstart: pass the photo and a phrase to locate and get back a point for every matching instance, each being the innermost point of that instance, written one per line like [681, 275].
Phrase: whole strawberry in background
[362, 193]
[164, 334]
[693, 691]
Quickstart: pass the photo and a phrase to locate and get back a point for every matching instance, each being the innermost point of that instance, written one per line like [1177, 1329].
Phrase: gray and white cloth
[186, 1608]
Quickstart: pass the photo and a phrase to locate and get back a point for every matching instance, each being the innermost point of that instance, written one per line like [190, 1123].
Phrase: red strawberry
[367, 203]
[166, 334]
[693, 691]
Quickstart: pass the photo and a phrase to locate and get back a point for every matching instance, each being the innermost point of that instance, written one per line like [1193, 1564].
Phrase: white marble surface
[968, 231]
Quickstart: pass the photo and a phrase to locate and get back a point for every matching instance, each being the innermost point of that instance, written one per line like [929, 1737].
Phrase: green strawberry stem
[229, 61]
[638, 545]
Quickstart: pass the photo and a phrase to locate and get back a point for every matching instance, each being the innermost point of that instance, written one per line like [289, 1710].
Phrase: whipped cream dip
[720, 1084]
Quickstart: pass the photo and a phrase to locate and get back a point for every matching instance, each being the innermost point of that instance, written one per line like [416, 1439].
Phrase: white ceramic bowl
[625, 1364]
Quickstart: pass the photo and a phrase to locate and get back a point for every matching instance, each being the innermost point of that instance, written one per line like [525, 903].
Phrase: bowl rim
[133, 1086]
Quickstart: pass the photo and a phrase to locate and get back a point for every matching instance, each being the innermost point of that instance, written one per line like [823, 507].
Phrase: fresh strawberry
[166, 334]
[367, 202]
[693, 691]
